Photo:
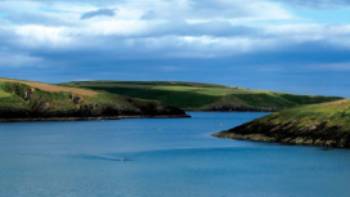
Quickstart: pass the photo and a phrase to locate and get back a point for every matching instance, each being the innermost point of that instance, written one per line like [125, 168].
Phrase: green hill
[326, 124]
[203, 97]
[26, 100]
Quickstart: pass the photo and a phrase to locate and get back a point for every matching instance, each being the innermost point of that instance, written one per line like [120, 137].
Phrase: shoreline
[292, 141]
[57, 119]
[228, 111]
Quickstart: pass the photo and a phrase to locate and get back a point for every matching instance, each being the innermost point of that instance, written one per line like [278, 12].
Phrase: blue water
[161, 158]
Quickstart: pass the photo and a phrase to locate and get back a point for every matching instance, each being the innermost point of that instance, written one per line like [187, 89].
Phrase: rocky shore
[325, 125]
[291, 139]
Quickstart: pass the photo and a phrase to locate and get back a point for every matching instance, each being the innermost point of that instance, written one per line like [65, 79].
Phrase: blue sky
[286, 45]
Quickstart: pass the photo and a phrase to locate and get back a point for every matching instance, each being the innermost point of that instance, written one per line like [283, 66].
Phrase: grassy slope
[206, 97]
[30, 100]
[326, 124]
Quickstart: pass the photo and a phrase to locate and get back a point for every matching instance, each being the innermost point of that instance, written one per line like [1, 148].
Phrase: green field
[35, 100]
[203, 97]
[326, 124]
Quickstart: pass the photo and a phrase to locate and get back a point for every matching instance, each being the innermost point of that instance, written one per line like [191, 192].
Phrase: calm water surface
[161, 158]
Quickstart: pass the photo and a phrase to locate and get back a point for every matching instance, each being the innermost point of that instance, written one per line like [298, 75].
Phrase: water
[161, 158]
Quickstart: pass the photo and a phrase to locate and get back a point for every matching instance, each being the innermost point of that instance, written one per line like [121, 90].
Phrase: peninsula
[326, 124]
[28, 100]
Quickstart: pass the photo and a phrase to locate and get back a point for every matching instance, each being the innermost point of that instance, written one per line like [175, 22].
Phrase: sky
[293, 46]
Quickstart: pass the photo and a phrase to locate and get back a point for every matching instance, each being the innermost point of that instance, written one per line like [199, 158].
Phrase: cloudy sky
[287, 45]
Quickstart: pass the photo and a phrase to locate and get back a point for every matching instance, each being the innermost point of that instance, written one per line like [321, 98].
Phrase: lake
[161, 158]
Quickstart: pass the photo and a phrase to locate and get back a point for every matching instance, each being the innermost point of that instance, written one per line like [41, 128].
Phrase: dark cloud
[290, 55]
[96, 13]
[283, 70]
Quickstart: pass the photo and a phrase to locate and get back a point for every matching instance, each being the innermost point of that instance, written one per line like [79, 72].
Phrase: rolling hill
[203, 97]
[326, 124]
[28, 100]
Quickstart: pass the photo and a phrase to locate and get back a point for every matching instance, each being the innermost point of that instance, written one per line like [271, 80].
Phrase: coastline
[292, 140]
[49, 119]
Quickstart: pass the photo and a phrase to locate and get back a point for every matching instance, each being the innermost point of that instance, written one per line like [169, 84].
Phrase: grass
[4, 94]
[50, 88]
[206, 97]
[329, 114]
[326, 124]
[25, 100]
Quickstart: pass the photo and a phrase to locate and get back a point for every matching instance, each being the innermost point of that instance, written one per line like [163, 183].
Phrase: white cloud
[309, 32]
[113, 27]
[228, 45]
[176, 28]
[42, 36]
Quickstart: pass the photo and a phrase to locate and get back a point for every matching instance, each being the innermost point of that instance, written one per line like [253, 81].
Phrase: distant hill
[27, 100]
[326, 124]
[203, 97]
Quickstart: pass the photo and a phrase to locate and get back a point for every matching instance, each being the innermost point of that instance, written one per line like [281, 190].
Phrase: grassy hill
[203, 97]
[326, 124]
[21, 100]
